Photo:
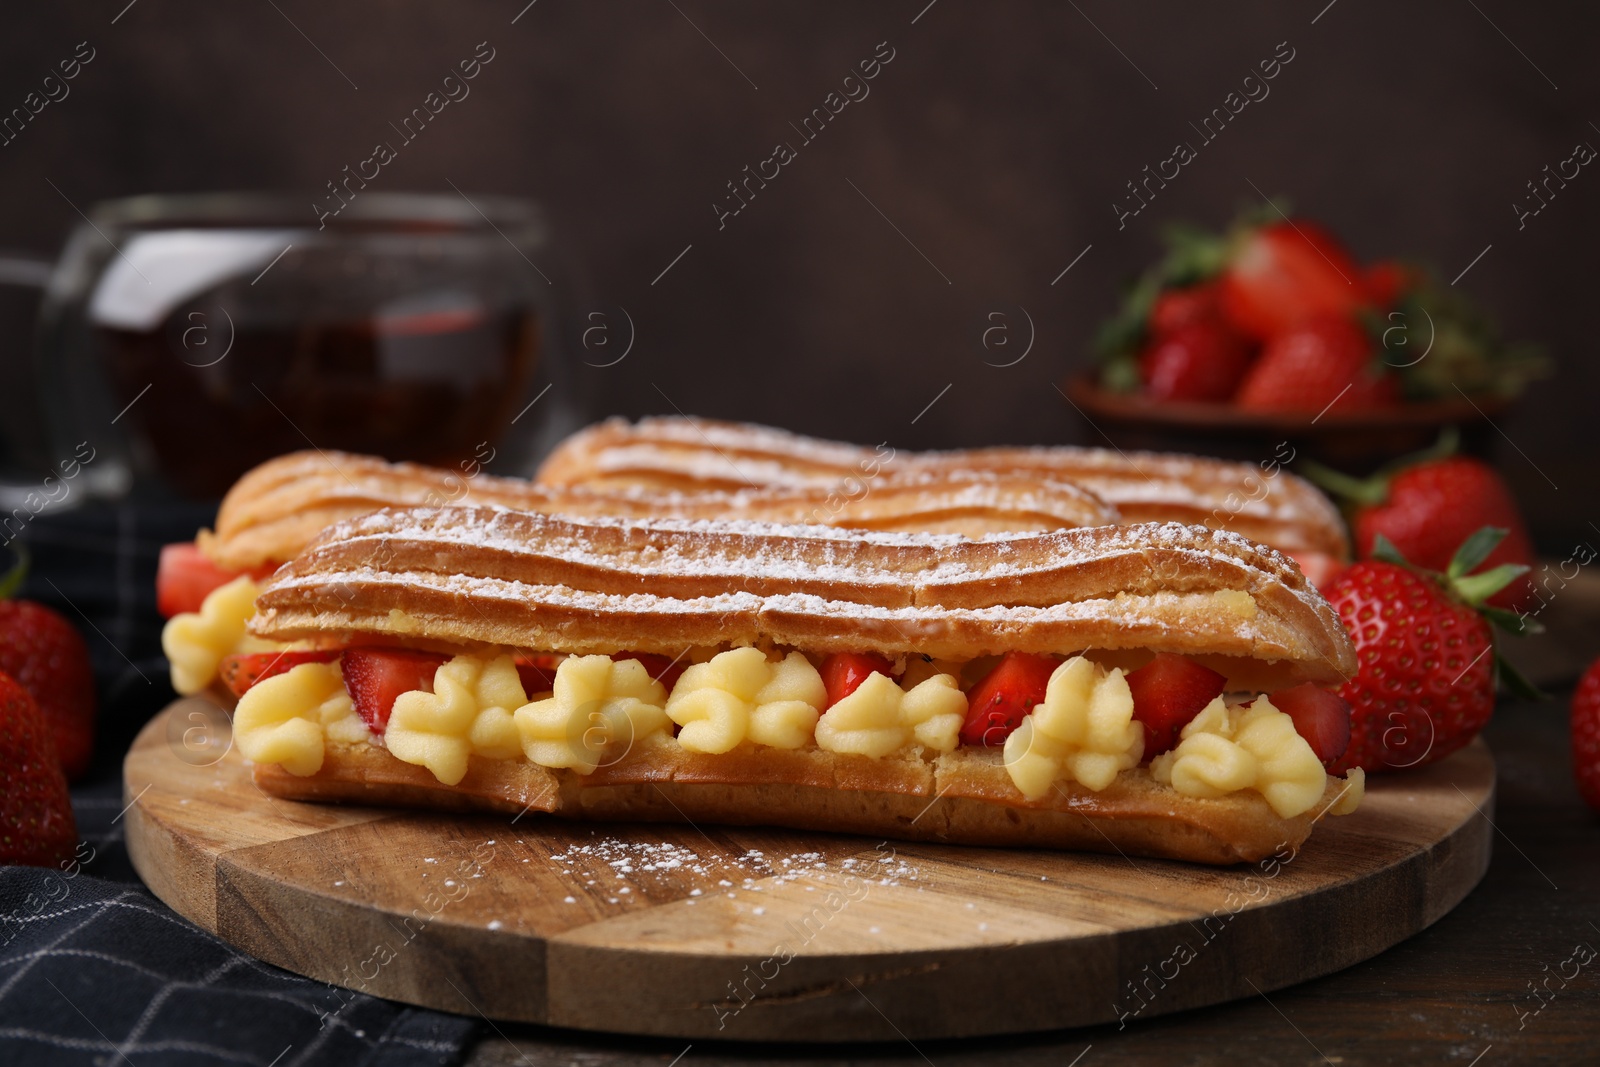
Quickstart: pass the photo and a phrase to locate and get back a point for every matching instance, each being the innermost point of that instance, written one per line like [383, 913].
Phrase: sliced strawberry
[999, 702]
[538, 673]
[1321, 717]
[375, 676]
[242, 671]
[1168, 692]
[185, 576]
[843, 672]
[661, 668]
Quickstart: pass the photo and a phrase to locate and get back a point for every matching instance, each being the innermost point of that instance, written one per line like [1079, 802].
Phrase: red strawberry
[1425, 682]
[1386, 281]
[997, 704]
[1168, 692]
[375, 676]
[1321, 717]
[1316, 364]
[843, 672]
[661, 668]
[1318, 567]
[1175, 308]
[1427, 509]
[1586, 735]
[36, 824]
[1288, 273]
[538, 673]
[185, 575]
[1197, 361]
[45, 652]
[241, 672]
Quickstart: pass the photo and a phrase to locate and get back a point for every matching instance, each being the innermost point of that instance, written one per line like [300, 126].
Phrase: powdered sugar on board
[611, 868]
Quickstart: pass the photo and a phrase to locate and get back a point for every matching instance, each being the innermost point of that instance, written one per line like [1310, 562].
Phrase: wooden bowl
[1354, 442]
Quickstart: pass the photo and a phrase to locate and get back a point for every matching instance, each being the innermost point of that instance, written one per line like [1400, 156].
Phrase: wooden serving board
[756, 934]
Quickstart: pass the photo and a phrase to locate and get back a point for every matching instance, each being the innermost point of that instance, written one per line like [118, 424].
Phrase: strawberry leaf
[1383, 548]
[11, 581]
[1360, 490]
[1476, 588]
[1514, 681]
[1474, 550]
[1511, 622]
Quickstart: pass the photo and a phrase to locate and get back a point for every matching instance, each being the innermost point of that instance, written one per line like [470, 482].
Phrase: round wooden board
[756, 934]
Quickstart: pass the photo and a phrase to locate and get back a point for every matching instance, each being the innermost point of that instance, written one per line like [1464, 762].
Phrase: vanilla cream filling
[1252, 746]
[1082, 732]
[740, 695]
[196, 642]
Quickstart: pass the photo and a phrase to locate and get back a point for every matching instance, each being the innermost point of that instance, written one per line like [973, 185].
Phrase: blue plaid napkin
[93, 968]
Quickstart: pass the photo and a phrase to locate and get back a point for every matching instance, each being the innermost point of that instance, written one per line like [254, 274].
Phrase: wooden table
[1458, 993]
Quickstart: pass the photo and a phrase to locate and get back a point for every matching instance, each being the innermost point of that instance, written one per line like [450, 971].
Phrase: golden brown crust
[679, 454]
[366, 773]
[964, 797]
[278, 508]
[472, 577]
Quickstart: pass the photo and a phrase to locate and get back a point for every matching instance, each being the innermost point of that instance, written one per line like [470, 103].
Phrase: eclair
[1101, 688]
[276, 509]
[1262, 501]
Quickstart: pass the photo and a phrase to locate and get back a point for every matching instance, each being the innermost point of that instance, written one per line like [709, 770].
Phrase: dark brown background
[996, 141]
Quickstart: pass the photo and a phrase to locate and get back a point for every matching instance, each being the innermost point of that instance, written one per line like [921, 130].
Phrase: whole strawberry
[36, 824]
[1586, 735]
[1195, 361]
[1285, 274]
[1428, 504]
[45, 653]
[1425, 684]
[1318, 365]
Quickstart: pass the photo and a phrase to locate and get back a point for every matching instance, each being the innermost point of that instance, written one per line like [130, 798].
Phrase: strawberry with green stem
[1265, 276]
[1427, 504]
[1425, 684]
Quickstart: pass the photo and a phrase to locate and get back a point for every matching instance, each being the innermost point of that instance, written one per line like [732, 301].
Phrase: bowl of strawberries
[1272, 331]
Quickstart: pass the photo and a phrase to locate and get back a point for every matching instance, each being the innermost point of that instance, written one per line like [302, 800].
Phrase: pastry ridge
[276, 509]
[474, 577]
[680, 454]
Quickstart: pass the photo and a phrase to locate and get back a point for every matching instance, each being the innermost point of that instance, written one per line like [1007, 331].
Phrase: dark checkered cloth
[93, 968]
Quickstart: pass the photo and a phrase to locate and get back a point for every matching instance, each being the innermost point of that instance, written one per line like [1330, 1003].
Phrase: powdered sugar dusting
[715, 452]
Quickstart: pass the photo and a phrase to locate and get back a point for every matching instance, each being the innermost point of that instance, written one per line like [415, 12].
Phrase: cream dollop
[1253, 746]
[195, 642]
[597, 711]
[1083, 731]
[286, 719]
[740, 695]
[880, 717]
[469, 713]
